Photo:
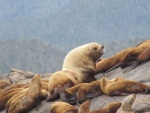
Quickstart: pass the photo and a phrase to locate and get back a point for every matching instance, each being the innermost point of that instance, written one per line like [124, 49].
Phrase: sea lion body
[79, 66]
[144, 56]
[89, 91]
[69, 95]
[85, 107]
[111, 108]
[4, 84]
[122, 87]
[106, 64]
[62, 107]
[5, 96]
[30, 99]
[122, 59]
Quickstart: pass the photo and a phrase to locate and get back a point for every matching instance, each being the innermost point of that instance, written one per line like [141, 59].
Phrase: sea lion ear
[95, 48]
[72, 110]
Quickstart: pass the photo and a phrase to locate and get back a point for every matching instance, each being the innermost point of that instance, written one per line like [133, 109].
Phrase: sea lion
[85, 107]
[79, 66]
[122, 87]
[62, 107]
[132, 55]
[4, 84]
[105, 64]
[69, 95]
[15, 86]
[6, 95]
[29, 100]
[144, 56]
[111, 108]
[83, 91]
[126, 106]
[89, 91]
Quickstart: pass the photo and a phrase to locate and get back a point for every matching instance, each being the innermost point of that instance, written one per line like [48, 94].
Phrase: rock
[22, 76]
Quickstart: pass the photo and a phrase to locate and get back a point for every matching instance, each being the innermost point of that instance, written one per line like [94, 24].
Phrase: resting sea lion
[132, 55]
[85, 107]
[79, 66]
[83, 91]
[107, 63]
[69, 95]
[122, 87]
[6, 95]
[31, 98]
[63, 107]
[111, 108]
[4, 84]
[126, 106]
[89, 91]
[144, 56]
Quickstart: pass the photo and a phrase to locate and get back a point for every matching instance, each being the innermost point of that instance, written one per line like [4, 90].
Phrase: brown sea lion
[121, 59]
[132, 55]
[62, 107]
[144, 56]
[69, 95]
[31, 98]
[15, 86]
[5, 96]
[107, 63]
[126, 106]
[111, 108]
[4, 84]
[122, 87]
[89, 91]
[85, 107]
[83, 91]
[79, 66]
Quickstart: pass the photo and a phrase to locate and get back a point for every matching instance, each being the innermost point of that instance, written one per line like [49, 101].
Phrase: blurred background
[36, 35]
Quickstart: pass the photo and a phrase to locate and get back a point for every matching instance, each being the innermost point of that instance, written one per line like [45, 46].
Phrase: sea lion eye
[94, 48]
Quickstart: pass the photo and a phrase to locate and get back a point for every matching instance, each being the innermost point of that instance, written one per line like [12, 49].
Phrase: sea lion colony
[74, 83]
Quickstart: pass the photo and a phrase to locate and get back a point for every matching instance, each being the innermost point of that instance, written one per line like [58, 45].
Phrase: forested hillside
[57, 26]
[32, 55]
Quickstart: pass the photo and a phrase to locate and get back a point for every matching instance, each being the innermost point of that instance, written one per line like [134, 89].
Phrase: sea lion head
[127, 102]
[95, 50]
[113, 107]
[63, 107]
[85, 107]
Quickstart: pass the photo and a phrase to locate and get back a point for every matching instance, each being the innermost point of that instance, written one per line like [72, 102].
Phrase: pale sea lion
[123, 87]
[79, 66]
[126, 106]
[62, 107]
[29, 100]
